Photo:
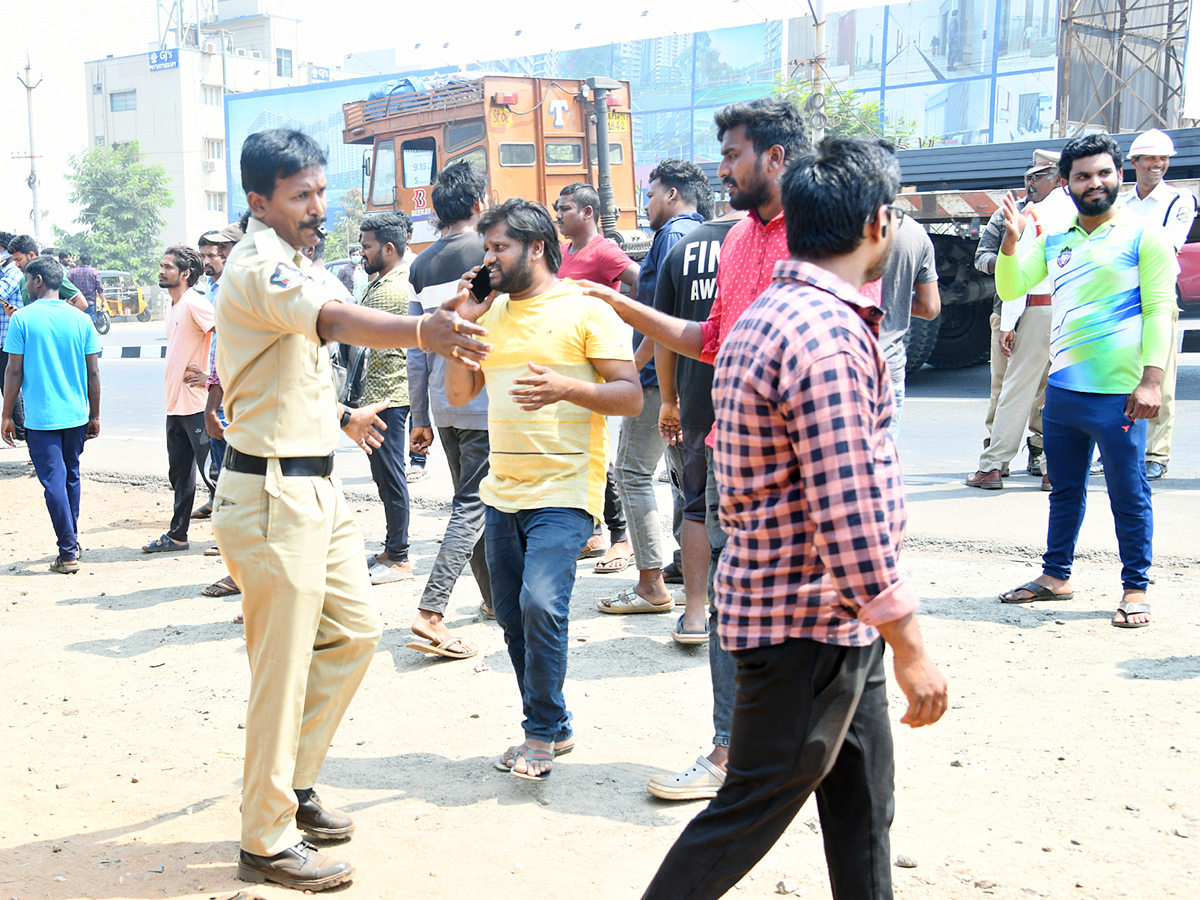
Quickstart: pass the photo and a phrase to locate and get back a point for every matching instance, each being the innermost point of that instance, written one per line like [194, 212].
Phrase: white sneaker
[700, 782]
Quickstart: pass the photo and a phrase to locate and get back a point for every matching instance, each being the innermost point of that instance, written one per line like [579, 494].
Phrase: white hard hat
[1152, 143]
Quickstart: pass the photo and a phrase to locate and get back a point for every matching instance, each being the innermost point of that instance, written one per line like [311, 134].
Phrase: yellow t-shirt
[556, 456]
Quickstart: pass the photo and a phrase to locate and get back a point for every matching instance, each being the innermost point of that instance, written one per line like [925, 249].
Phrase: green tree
[848, 114]
[120, 199]
[346, 231]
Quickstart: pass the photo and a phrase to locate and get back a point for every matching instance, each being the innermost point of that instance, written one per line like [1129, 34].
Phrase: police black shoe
[314, 819]
[302, 867]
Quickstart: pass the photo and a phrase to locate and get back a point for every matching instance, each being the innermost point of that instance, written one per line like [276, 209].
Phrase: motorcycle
[101, 320]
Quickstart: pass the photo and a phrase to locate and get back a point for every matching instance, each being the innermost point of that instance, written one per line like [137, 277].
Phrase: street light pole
[33, 179]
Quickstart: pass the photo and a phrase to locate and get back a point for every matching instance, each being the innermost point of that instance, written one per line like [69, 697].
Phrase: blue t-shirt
[55, 339]
[664, 239]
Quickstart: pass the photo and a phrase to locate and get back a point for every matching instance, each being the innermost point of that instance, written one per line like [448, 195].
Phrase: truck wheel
[919, 341]
[965, 338]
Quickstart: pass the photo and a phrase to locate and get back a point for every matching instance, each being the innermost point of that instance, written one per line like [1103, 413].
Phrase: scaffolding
[1120, 65]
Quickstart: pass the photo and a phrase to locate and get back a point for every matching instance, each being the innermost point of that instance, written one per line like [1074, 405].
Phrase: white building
[172, 102]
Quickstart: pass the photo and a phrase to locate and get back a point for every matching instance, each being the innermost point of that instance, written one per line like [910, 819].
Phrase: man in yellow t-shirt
[561, 362]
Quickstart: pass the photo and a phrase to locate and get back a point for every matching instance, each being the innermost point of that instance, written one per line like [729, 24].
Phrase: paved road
[940, 440]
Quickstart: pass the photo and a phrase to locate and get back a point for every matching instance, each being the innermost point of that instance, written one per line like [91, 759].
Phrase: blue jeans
[387, 469]
[55, 456]
[216, 450]
[531, 559]
[1073, 423]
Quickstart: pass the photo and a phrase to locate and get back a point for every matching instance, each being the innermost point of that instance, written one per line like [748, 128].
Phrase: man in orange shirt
[189, 323]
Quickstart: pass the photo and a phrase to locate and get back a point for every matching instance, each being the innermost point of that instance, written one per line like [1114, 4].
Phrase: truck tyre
[919, 341]
[965, 336]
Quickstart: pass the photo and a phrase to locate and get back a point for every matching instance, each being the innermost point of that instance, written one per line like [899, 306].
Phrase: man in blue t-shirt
[53, 359]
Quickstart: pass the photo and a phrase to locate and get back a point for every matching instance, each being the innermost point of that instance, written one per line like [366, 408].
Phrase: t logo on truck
[558, 109]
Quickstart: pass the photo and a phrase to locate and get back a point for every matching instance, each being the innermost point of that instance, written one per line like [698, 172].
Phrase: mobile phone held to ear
[481, 285]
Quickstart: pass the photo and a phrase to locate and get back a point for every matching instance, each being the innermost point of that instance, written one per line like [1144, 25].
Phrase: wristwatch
[345, 416]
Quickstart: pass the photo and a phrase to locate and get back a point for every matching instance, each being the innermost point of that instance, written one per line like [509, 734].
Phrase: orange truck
[530, 136]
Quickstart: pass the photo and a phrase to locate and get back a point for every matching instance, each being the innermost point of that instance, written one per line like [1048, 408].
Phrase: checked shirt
[811, 491]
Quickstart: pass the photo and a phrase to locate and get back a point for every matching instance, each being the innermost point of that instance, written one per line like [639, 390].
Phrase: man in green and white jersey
[1113, 280]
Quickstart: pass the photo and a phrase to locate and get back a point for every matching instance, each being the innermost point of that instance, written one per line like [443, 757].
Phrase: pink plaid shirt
[811, 491]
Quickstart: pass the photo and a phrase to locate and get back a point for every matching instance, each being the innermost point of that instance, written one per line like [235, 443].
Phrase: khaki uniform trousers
[311, 630]
[1158, 435]
[1018, 388]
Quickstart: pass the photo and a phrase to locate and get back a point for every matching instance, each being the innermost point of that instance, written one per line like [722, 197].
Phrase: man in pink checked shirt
[808, 587]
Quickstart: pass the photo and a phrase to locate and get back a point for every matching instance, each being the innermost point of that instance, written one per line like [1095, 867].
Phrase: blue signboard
[318, 73]
[163, 59]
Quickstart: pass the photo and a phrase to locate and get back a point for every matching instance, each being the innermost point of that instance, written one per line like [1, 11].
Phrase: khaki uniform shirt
[279, 397]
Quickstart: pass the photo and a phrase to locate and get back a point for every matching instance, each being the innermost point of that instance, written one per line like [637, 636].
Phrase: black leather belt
[303, 466]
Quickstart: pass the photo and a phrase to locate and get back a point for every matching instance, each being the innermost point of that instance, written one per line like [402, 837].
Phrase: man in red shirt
[587, 255]
[758, 141]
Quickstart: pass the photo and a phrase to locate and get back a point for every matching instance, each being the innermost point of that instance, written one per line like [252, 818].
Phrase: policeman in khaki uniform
[280, 519]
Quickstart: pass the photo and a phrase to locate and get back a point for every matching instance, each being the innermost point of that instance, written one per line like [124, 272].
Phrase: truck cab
[531, 137]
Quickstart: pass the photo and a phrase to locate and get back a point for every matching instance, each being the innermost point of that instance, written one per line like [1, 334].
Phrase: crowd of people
[762, 352]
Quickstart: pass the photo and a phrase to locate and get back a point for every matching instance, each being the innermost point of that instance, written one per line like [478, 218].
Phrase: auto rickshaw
[122, 295]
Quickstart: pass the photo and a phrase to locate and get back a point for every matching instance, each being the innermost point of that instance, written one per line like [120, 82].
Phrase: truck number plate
[618, 121]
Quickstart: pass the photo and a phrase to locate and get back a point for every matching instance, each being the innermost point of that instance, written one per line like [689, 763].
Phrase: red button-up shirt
[811, 491]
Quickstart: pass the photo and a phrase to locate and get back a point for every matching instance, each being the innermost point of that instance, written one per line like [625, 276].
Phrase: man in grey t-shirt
[909, 289]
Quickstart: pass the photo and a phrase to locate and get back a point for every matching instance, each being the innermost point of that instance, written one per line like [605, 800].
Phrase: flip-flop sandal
[203, 512]
[226, 587]
[485, 611]
[679, 636]
[591, 552]
[1131, 609]
[164, 545]
[415, 474]
[381, 574]
[1039, 591]
[531, 754]
[212, 551]
[629, 601]
[616, 564]
[443, 648]
[64, 566]
[561, 748]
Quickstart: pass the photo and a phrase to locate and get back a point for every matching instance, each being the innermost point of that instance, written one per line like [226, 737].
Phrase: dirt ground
[1068, 766]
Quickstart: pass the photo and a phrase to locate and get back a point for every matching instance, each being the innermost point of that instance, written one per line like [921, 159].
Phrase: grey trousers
[467, 455]
[639, 449]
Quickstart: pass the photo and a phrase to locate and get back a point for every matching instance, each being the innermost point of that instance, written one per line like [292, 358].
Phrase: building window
[211, 96]
[120, 101]
[214, 149]
[283, 63]
[214, 201]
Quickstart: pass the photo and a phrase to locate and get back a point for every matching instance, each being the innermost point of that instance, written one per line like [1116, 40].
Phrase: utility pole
[817, 98]
[33, 179]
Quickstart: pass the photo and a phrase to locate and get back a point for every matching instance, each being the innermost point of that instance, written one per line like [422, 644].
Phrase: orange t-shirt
[189, 330]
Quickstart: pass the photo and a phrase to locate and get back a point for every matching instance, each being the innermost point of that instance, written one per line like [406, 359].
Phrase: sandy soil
[1069, 765]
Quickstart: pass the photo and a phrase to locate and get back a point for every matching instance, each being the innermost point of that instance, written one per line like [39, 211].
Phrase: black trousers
[187, 451]
[18, 414]
[808, 717]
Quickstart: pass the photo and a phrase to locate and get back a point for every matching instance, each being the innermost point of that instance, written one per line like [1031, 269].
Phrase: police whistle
[321, 232]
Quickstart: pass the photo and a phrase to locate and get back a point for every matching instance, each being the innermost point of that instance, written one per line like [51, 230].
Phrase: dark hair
[318, 251]
[390, 228]
[5, 237]
[187, 260]
[64, 254]
[278, 153]
[244, 221]
[1088, 145]
[687, 178]
[829, 195]
[23, 243]
[526, 222]
[459, 187]
[582, 194]
[768, 121]
[85, 258]
[48, 269]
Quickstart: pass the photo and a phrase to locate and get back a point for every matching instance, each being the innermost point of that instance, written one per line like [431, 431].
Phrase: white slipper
[700, 782]
[629, 601]
[381, 574]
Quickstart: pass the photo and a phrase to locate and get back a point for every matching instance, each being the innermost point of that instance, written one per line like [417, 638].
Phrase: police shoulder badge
[1064, 257]
[286, 276]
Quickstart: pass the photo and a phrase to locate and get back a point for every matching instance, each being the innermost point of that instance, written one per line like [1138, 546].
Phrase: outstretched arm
[680, 335]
